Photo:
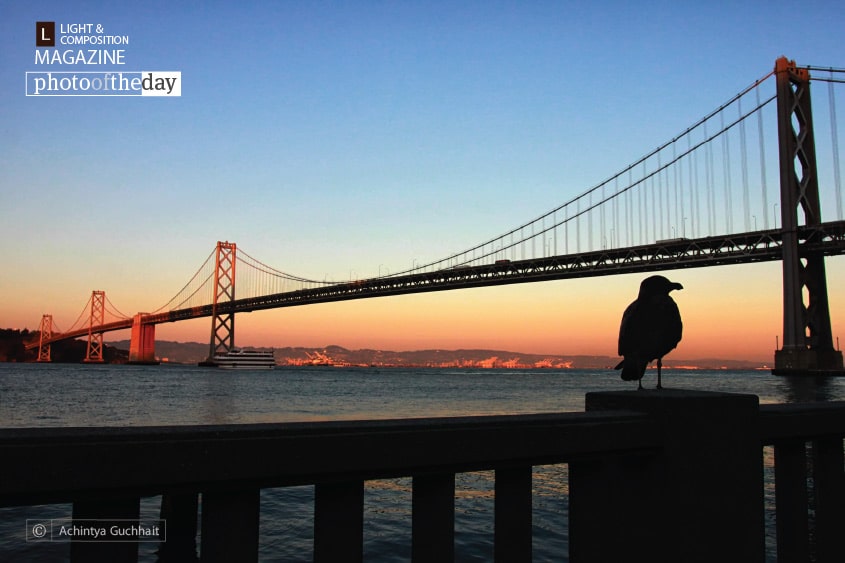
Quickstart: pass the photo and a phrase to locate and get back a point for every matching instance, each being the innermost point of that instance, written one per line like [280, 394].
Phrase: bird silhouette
[651, 327]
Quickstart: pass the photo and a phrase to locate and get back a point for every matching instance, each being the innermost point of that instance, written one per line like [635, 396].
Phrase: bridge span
[705, 184]
[762, 246]
[759, 246]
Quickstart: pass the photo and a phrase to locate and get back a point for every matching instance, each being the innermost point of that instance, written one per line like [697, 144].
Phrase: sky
[342, 140]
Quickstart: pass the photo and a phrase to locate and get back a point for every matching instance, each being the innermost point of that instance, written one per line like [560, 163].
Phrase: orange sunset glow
[421, 141]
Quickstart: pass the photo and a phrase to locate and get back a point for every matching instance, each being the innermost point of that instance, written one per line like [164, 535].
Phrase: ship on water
[237, 358]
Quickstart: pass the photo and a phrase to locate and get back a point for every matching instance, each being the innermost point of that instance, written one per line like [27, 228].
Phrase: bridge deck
[758, 246]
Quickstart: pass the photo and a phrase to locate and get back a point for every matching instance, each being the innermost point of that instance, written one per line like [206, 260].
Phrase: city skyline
[343, 142]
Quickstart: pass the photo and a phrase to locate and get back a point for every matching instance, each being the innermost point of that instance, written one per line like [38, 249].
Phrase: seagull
[651, 328]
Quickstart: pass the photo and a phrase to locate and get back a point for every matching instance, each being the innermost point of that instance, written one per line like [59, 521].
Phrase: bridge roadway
[758, 246]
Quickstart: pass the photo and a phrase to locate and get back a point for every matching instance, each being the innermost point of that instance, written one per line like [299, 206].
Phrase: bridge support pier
[142, 343]
[802, 361]
[807, 334]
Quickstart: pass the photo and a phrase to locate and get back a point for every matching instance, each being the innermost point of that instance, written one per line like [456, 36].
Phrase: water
[90, 395]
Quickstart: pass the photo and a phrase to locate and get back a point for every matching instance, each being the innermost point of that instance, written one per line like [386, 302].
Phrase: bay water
[65, 395]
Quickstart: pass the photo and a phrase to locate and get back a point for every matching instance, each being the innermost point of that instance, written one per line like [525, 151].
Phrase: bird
[651, 328]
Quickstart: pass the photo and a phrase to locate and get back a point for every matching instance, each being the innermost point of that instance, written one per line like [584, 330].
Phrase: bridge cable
[55, 328]
[261, 266]
[185, 287]
[464, 257]
[746, 201]
[763, 183]
[615, 215]
[200, 287]
[641, 196]
[694, 178]
[85, 310]
[602, 225]
[654, 190]
[665, 203]
[629, 209]
[708, 175]
[590, 224]
[114, 310]
[660, 215]
[829, 69]
[726, 175]
[678, 204]
[696, 215]
[834, 141]
[577, 226]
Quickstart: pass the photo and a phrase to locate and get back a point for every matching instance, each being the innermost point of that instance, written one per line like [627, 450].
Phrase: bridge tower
[46, 334]
[222, 317]
[94, 353]
[807, 334]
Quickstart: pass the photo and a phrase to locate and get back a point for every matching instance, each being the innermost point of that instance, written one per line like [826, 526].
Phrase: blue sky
[334, 139]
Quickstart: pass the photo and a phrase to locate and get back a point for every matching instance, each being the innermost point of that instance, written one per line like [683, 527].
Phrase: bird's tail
[632, 368]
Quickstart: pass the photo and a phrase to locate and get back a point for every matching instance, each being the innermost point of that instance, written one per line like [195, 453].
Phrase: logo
[45, 34]
[104, 83]
[65, 47]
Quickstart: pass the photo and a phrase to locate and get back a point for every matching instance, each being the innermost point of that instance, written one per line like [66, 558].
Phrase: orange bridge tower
[222, 316]
[807, 335]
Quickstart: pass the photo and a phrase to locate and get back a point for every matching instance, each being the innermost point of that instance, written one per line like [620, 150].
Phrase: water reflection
[807, 389]
[218, 399]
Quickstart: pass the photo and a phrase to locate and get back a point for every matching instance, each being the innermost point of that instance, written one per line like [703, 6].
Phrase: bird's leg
[659, 366]
[639, 384]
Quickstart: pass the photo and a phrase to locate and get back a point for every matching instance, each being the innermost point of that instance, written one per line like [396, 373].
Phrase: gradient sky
[338, 140]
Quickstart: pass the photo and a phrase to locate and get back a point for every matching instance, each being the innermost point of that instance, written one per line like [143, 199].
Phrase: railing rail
[801, 421]
[631, 448]
[147, 460]
[807, 440]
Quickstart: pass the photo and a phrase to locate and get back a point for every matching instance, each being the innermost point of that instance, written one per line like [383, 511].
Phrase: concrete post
[699, 498]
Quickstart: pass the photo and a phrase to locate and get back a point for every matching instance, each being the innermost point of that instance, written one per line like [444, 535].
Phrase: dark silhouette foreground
[651, 328]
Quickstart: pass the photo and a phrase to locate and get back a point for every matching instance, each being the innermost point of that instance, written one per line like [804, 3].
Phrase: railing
[809, 479]
[668, 469]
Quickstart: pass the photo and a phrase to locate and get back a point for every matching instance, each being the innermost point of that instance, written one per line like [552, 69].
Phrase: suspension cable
[834, 141]
[193, 278]
[726, 173]
[264, 268]
[829, 69]
[54, 328]
[85, 309]
[195, 292]
[763, 184]
[114, 310]
[481, 247]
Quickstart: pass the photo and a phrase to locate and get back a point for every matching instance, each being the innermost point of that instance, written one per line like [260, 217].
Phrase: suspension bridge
[743, 184]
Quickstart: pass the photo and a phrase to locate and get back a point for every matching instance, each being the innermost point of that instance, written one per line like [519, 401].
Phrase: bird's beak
[677, 286]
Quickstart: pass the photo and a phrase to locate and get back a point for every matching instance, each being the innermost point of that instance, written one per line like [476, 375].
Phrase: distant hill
[177, 352]
[193, 352]
[13, 349]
